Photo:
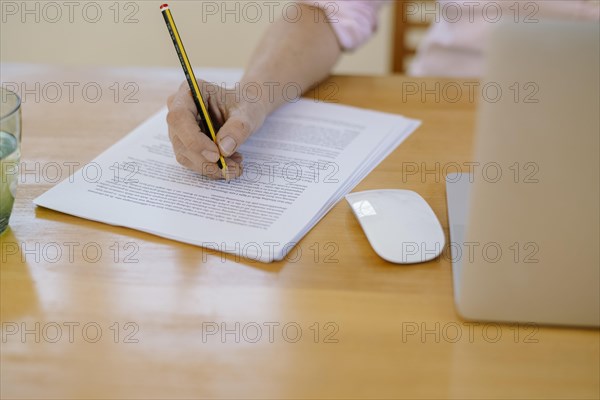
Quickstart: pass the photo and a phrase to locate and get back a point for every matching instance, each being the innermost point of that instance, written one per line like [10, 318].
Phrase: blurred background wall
[133, 33]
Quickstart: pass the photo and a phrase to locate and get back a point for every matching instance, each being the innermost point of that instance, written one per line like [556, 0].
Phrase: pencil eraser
[164, 6]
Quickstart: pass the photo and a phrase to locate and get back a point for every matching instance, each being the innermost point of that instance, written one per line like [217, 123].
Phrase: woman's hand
[234, 119]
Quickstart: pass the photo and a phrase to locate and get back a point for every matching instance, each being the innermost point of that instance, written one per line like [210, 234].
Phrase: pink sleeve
[353, 21]
[571, 9]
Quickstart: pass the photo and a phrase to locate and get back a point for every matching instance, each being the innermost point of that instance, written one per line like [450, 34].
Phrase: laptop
[524, 222]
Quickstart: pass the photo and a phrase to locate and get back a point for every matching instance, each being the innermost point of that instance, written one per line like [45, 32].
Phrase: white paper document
[303, 160]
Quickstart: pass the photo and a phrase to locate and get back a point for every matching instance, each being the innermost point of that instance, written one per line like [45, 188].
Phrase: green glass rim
[17, 105]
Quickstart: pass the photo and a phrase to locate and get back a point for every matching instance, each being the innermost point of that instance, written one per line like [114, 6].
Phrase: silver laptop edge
[539, 223]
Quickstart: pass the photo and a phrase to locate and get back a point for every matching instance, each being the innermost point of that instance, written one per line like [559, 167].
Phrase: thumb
[236, 130]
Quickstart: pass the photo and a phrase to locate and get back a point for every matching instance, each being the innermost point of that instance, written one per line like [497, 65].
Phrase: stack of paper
[304, 159]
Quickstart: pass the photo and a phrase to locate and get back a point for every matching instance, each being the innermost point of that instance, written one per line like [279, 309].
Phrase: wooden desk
[384, 331]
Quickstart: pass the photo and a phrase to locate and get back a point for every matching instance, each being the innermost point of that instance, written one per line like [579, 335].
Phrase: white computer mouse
[399, 224]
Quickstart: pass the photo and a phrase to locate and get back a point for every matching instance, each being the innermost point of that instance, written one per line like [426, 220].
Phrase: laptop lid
[531, 243]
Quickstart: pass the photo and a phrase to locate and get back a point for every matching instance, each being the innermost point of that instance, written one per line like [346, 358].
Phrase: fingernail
[210, 155]
[227, 145]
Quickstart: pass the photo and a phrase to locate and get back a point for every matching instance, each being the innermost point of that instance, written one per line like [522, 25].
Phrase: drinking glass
[10, 152]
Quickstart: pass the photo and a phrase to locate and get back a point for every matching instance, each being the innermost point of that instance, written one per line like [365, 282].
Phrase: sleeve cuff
[354, 21]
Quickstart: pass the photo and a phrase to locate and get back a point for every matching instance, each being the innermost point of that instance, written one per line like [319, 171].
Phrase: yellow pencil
[205, 123]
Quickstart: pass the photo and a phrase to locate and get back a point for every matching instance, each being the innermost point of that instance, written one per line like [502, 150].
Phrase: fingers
[211, 170]
[233, 133]
[213, 98]
[193, 148]
[183, 125]
[184, 128]
[200, 164]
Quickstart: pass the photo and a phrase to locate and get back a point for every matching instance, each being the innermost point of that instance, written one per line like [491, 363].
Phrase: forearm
[292, 57]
